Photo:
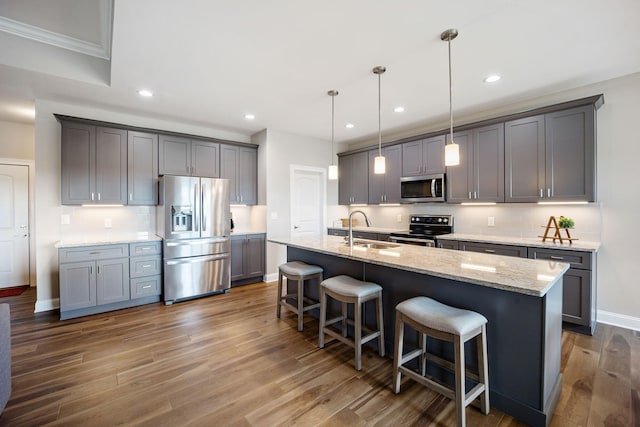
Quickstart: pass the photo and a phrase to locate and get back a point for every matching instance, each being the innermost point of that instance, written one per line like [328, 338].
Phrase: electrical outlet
[399, 218]
[491, 221]
[107, 223]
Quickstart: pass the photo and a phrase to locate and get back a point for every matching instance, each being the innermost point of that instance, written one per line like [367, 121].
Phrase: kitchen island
[521, 298]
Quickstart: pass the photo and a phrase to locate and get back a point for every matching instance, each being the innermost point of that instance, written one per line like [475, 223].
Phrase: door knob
[295, 227]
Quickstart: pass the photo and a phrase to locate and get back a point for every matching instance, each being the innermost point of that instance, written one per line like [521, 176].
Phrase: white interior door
[14, 221]
[308, 195]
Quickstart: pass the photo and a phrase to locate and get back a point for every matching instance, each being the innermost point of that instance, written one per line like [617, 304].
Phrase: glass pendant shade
[333, 172]
[379, 165]
[451, 154]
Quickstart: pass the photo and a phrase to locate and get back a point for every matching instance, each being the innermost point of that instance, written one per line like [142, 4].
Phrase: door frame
[30, 164]
[323, 191]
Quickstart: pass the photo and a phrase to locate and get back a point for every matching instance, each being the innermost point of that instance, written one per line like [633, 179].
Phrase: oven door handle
[423, 242]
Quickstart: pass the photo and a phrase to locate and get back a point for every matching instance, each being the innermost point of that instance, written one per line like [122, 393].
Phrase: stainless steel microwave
[415, 189]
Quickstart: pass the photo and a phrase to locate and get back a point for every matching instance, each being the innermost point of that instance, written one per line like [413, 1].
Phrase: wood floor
[227, 361]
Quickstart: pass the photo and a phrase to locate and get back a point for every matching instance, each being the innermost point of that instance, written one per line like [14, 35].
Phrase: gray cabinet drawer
[145, 266]
[577, 259]
[145, 286]
[448, 244]
[92, 253]
[491, 248]
[336, 232]
[365, 235]
[146, 248]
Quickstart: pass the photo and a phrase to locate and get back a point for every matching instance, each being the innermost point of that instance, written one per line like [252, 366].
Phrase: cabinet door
[576, 297]
[248, 175]
[433, 155]
[570, 154]
[495, 249]
[174, 156]
[142, 168]
[112, 281]
[78, 163]
[488, 165]
[376, 181]
[344, 179]
[360, 178]
[229, 164]
[254, 255]
[525, 159]
[412, 158]
[237, 257]
[393, 160]
[205, 159]
[77, 285]
[460, 177]
[111, 166]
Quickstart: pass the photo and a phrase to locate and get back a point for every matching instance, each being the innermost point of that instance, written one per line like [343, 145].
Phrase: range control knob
[446, 220]
[439, 219]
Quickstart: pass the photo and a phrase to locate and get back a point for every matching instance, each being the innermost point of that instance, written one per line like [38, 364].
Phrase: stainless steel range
[424, 229]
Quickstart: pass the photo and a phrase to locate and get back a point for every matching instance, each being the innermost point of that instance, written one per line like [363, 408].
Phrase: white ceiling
[210, 62]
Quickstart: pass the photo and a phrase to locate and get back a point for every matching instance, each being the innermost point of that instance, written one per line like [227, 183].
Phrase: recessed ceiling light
[145, 92]
[249, 116]
[492, 78]
[399, 109]
[349, 125]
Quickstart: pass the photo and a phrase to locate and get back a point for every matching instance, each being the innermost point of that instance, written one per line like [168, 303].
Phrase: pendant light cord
[332, 125]
[450, 96]
[379, 119]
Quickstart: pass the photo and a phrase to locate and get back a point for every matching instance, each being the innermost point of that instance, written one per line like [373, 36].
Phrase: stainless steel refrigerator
[193, 220]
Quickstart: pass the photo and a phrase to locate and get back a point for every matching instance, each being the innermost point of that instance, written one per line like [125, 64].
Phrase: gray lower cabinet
[447, 244]
[579, 290]
[551, 156]
[494, 249]
[142, 168]
[191, 157]
[247, 258]
[96, 279]
[93, 165]
[385, 188]
[353, 178]
[240, 166]
[423, 157]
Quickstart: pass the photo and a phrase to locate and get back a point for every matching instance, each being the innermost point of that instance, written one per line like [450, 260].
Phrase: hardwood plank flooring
[227, 360]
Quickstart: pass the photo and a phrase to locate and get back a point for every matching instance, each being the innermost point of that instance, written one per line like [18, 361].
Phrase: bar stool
[432, 318]
[348, 290]
[300, 272]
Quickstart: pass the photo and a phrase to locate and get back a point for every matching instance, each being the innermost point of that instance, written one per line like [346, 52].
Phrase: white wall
[281, 150]
[17, 141]
[613, 220]
[48, 229]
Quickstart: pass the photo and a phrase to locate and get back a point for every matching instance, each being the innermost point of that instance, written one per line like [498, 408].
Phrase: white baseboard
[273, 277]
[47, 305]
[621, 320]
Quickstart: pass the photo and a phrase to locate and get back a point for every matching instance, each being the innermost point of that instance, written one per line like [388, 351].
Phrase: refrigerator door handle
[196, 207]
[202, 206]
[198, 242]
[196, 260]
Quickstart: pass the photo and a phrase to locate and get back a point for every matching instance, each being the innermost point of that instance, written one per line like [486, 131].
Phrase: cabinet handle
[559, 258]
[146, 266]
[146, 287]
[92, 196]
[94, 253]
[98, 269]
[475, 194]
[548, 192]
[541, 193]
[145, 248]
[491, 251]
[130, 196]
[469, 194]
[91, 271]
[99, 196]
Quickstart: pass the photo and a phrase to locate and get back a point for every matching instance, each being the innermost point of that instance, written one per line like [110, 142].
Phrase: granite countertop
[535, 242]
[372, 229]
[521, 275]
[107, 239]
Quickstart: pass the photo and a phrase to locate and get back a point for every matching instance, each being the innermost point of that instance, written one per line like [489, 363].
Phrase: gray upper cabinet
[240, 166]
[423, 157]
[385, 188]
[184, 156]
[480, 175]
[353, 184]
[551, 156]
[94, 165]
[142, 169]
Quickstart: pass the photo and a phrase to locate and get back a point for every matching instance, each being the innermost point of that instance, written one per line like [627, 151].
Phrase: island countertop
[520, 275]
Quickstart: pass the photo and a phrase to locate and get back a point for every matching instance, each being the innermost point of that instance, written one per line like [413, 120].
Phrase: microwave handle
[433, 188]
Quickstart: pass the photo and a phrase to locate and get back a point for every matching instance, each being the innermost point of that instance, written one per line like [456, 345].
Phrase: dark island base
[524, 333]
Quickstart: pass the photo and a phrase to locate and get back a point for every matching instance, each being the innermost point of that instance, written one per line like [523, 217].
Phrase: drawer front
[365, 235]
[89, 253]
[336, 232]
[577, 259]
[145, 286]
[147, 248]
[145, 266]
[490, 248]
[447, 244]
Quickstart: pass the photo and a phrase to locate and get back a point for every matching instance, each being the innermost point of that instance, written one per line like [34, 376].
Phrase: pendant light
[333, 169]
[451, 150]
[379, 162]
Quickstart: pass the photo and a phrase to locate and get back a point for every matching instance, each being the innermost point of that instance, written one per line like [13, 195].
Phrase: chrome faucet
[351, 225]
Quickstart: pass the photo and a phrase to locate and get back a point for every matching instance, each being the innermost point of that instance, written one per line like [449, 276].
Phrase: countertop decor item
[554, 226]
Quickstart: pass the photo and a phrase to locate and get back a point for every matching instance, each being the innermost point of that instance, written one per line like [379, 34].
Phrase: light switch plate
[491, 221]
[107, 223]
[65, 219]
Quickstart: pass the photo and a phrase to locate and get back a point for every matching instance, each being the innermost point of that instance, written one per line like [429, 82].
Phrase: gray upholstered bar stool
[300, 272]
[348, 290]
[432, 318]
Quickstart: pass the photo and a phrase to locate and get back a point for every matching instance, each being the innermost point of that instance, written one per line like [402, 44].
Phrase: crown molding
[31, 32]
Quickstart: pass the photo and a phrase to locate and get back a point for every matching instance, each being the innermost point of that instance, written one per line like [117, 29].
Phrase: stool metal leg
[323, 317]
[278, 305]
[344, 319]
[358, 333]
[300, 301]
[460, 390]
[380, 325]
[422, 343]
[483, 369]
[397, 352]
